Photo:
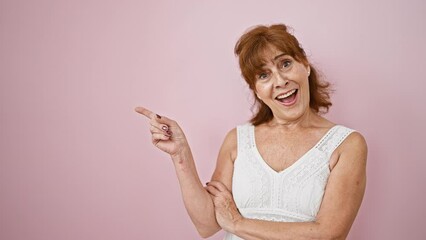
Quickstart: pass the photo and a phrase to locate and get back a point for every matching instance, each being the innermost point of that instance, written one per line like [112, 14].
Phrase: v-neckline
[293, 165]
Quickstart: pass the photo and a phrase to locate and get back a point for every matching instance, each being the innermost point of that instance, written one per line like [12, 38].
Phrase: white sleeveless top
[292, 195]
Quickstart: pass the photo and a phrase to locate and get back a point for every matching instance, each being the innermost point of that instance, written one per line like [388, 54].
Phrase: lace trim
[274, 214]
[243, 138]
[260, 181]
[333, 139]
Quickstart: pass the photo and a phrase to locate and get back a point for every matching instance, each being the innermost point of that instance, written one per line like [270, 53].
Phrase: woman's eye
[285, 63]
[262, 76]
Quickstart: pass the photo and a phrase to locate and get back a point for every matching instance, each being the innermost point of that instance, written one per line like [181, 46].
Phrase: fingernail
[158, 116]
[165, 128]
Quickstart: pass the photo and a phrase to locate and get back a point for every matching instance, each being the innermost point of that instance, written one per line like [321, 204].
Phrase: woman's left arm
[341, 201]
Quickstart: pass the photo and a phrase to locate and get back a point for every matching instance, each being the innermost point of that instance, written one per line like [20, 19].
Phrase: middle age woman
[288, 174]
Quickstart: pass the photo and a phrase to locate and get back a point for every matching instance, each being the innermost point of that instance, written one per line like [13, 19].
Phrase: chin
[292, 114]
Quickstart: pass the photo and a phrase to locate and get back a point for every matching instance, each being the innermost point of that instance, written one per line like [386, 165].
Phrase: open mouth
[287, 98]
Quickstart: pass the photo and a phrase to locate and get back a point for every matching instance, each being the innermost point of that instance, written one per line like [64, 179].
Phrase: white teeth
[286, 95]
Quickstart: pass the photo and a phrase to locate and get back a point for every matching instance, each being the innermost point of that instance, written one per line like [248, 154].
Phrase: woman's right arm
[169, 137]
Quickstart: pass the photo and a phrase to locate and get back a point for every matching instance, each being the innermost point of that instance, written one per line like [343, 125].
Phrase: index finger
[147, 113]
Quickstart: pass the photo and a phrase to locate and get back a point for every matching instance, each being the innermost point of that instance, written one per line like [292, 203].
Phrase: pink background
[76, 162]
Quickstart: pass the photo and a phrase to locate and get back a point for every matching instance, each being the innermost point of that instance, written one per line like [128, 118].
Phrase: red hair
[250, 48]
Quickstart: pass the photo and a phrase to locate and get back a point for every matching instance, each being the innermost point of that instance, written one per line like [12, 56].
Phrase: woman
[290, 173]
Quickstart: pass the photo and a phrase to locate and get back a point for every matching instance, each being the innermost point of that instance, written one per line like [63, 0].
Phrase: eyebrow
[278, 56]
[275, 58]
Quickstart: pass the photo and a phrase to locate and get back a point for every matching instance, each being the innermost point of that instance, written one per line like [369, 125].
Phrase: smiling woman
[289, 173]
[258, 47]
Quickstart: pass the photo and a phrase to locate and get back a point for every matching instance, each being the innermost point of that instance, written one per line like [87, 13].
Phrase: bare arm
[342, 199]
[169, 137]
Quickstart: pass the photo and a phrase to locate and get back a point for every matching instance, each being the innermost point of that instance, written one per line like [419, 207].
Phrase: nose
[280, 80]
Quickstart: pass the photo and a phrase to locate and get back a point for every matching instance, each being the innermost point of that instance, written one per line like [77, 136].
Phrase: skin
[282, 141]
[169, 137]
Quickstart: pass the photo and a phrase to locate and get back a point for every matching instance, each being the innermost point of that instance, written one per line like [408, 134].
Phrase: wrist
[238, 225]
[182, 156]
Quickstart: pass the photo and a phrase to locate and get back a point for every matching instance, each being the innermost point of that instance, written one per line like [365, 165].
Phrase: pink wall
[76, 162]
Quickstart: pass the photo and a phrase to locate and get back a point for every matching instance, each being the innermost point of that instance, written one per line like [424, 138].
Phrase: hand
[166, 133]
[227, 214]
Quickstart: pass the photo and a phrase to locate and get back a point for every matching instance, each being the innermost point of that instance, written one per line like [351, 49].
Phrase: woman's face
[283, 85]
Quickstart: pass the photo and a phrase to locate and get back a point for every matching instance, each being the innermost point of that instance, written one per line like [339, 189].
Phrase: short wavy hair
[249, 50]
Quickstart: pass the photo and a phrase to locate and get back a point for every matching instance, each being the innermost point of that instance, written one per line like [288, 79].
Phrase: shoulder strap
[333, 139]
[244, 137]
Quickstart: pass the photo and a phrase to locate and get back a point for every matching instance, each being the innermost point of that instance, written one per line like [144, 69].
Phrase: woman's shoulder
[230, 143]
[353, 146]
[230, 146]
[354, 139]
[232, 134]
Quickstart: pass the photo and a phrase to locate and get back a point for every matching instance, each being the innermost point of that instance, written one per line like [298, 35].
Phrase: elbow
[333, 237]
[204, 236]
[207, 232]
[332, 233]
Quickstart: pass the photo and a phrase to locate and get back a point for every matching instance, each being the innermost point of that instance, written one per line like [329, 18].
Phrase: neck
[305, 120]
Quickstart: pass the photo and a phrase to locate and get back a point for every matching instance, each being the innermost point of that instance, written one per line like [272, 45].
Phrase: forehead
[270, 55]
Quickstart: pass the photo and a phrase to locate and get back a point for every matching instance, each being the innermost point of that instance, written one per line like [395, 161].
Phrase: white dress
[292, 195]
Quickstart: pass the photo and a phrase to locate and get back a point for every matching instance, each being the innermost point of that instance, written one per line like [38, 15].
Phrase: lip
[290, 103]
[285, 92]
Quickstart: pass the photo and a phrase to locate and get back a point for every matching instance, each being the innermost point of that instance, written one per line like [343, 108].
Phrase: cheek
[261, 93]
[306, 92]
[258, 89]
[262, 87]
